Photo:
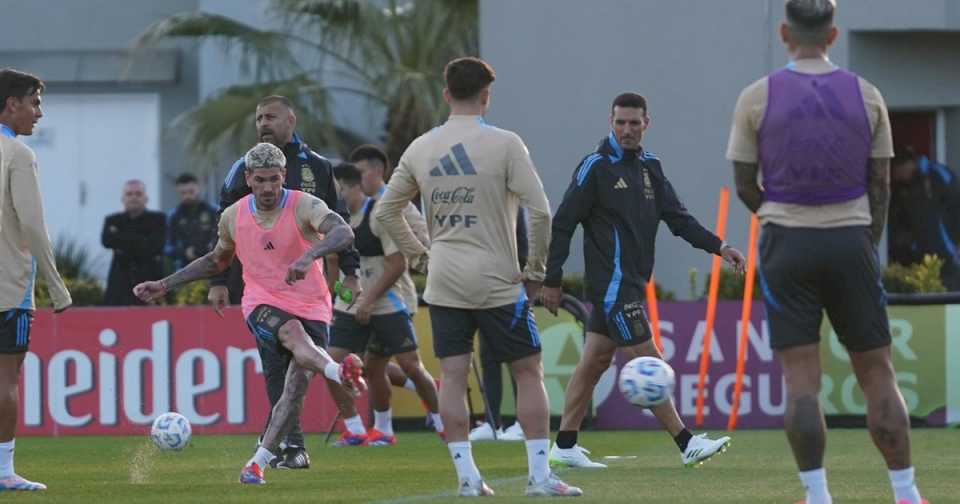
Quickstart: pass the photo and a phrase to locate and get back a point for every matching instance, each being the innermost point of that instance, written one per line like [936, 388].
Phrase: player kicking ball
[276, 233]
[379, 322]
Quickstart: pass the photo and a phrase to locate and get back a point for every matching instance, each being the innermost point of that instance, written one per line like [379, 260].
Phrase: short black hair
[466, 77]
[186, 178]
[266, 100]
[17, 84]
[810, 20]
[369, 151]
[347, 174]
[631, 100]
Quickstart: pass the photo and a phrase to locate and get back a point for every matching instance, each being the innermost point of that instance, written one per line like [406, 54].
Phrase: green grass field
[757, 468]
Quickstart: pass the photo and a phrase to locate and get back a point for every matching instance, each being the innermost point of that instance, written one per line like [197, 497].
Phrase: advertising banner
[112, 370]
[925, 349]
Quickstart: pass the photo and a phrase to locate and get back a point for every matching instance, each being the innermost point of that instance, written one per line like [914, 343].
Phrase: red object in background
[914, 129]
[112, 370]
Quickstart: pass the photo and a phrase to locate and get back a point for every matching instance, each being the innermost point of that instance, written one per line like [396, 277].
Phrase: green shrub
[921, 278]
[194, 293]
[75, 267]
[83, 291]
[730, 287]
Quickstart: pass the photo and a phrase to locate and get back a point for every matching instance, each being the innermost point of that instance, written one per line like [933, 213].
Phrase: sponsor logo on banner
[112, 371]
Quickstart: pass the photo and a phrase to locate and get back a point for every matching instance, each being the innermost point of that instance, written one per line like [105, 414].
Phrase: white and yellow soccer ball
[171, 431]
[646, 381]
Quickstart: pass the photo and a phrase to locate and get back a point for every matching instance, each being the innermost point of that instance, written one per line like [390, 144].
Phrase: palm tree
[390, 53]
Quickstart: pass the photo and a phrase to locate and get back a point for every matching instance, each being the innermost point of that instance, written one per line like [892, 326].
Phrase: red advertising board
[111, 371]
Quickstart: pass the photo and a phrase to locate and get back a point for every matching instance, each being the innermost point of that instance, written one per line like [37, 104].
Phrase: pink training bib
[267, 253]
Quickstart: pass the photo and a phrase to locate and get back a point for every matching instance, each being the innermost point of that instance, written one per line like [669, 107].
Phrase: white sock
[409, 385]
[815, 482]
[383, 421]
[355, 425]
[6, 458]
[462, 457]
[537, 462]
[262, 458]
[904, 487]
[437, 421]
[332, 371]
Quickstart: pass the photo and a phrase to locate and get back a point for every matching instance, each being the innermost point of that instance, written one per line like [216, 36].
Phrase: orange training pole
[744, 322]
[711, 303]
[654, 312]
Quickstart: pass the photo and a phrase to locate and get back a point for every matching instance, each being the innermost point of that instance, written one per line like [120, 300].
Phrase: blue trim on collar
[283, 198]
[252, 205]
[301, 151]
[617, 150]
[6, 131]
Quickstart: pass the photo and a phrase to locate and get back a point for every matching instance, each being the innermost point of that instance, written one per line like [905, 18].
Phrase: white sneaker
[478, 489]
[701, 448]
[483, 432]
[552, 487]
[512, 433]
[19, 483]
[572, 457]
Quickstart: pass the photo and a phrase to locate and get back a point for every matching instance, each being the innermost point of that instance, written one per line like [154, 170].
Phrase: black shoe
[292, 457]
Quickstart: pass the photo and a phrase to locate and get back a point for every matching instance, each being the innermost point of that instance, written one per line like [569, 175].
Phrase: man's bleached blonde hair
[264, 155]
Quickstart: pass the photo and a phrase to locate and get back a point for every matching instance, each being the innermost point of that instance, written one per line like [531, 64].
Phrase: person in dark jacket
[925, 214]
[192, 227]
[620, 195]
[311, 173]
[136, 236]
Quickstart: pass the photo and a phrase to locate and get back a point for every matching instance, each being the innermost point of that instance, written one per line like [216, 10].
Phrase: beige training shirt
[25, 245]
[472, 178]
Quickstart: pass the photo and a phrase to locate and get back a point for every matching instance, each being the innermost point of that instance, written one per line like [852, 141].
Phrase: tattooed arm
[748, 188]
[337, 236]
[216, 261]
[878, 192]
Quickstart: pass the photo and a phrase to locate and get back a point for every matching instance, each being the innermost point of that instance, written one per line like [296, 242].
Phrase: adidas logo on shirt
[269, 246]
[621, 184]
[447, 167]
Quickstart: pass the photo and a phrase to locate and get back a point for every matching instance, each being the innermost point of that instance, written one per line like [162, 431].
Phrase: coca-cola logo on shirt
[461, 194]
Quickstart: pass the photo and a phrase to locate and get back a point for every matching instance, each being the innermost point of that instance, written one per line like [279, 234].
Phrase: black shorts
[265, 321]
[804, 271]
[385, 335]
[626, 323]
[15, 330]
[510, 331]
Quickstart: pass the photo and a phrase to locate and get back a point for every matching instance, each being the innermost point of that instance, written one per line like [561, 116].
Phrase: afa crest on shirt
[647, 186]
[308, 183]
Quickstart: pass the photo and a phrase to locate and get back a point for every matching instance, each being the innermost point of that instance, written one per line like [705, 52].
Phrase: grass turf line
[757, 468]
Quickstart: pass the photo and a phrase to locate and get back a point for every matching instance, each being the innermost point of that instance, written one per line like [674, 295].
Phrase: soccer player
[620, 194]
[306, 171]
[821, 138]
[379, 322]
[24, 249]
[286, 302]
[473, 178]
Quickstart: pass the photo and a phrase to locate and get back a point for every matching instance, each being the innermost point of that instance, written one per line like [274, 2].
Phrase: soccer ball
[171, 431]
[646, 381]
